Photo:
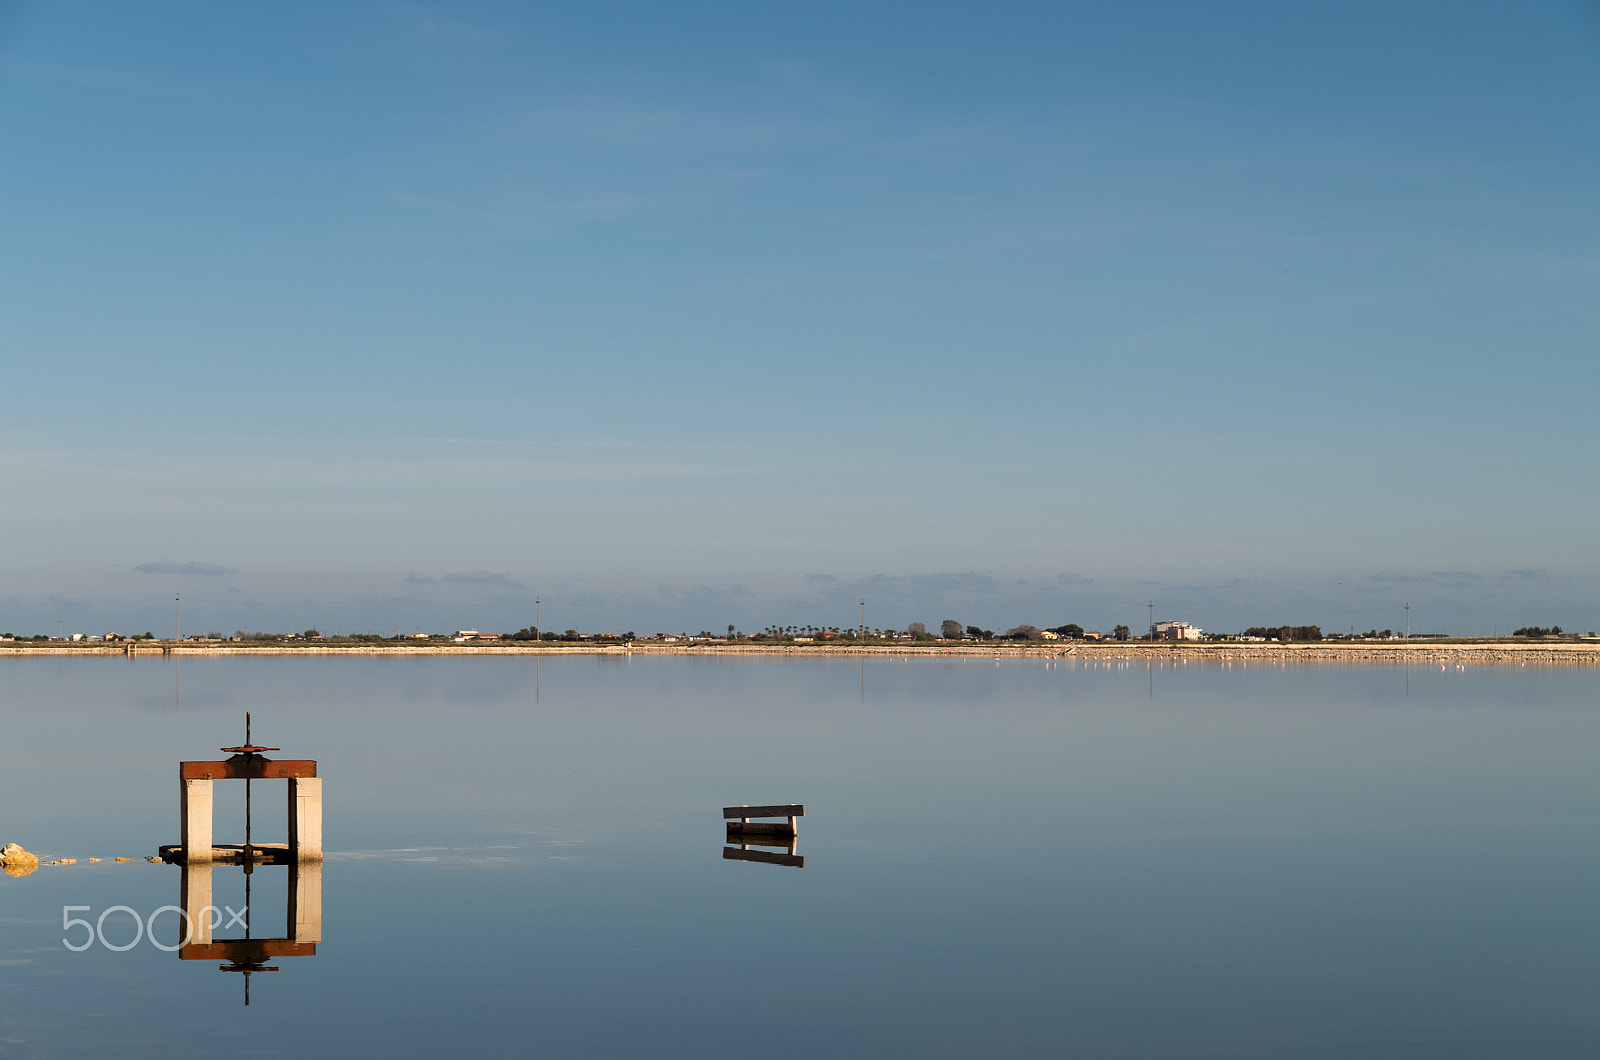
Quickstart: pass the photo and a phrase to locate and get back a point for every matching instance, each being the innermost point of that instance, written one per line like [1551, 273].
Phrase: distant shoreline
[1460, 652]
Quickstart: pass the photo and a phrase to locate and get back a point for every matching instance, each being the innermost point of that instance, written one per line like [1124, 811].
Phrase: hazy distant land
[1477, 652]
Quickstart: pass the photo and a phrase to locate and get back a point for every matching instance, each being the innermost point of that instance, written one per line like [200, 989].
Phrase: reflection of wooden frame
[304, 918]
[250, 955]
[766, 857]
[745, 832]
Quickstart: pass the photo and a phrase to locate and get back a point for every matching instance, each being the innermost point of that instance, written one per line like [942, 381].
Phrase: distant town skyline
[222, 599]
[383, 317]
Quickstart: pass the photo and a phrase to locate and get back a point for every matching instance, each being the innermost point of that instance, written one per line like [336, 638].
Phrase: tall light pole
[863, 619]
[177, 619]
[536, 618]
[1408, 620]
[1152, 621]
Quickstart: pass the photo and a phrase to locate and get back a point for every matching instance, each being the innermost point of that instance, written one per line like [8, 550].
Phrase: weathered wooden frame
[195, 804]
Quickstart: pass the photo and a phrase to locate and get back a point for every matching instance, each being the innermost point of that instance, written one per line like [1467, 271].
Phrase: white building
[1177, 631]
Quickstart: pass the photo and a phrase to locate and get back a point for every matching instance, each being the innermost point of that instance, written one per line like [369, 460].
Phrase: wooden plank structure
[746, 832]
[199, 854]
[746, 827]
[247, 763]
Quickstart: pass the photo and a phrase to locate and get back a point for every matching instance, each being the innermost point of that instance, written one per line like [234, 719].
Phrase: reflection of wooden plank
[773, 829]
[246, 950]
[796, 810]
[769, 857]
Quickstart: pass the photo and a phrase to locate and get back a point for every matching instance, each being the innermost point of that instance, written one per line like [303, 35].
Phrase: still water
[1027, 859]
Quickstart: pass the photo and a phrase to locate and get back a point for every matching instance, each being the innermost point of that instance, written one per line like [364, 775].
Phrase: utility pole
[536, 617]
[1152, 621]
[177, 619]
[1408, 620]
[863, 618]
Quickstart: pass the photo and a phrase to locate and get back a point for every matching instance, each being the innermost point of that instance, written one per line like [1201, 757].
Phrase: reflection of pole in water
[863, 678]
[177, 674]
[536, 680]
[247, 848]
[1152, 672]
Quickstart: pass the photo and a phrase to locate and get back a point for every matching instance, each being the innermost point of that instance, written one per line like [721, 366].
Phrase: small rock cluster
[17, 862]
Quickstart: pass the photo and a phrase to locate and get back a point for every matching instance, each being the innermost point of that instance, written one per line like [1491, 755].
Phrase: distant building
[1177, 631]
[1049, 634]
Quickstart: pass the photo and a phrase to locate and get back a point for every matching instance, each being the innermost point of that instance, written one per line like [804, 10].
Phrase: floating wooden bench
[747, 829]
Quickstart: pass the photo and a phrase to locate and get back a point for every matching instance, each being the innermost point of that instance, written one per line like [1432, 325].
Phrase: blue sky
[682, 315]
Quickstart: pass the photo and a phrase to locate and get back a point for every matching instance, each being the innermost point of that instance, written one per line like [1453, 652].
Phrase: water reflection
[302, 915]
[1265, 862]
[747, 833]
[742, 852]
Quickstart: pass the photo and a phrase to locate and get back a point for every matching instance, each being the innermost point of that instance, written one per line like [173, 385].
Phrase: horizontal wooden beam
[766, 857]
[266, 769]
[796, 810]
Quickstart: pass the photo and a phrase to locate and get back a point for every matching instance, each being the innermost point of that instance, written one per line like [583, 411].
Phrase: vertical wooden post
[194, 813]
[305, 818]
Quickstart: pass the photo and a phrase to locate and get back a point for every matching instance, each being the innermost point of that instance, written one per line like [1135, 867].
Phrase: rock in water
[18, 862]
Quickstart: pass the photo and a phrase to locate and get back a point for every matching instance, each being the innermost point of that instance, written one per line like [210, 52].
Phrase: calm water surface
[1086, 860]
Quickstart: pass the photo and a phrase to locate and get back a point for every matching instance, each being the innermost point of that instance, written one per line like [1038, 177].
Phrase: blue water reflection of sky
[1020, 859]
